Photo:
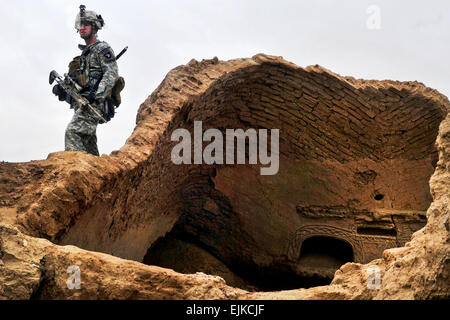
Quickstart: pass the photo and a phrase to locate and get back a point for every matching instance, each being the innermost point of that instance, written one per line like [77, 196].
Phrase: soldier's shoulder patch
[108, 54]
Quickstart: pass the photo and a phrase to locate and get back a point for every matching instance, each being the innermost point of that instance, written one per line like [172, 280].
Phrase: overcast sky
[412, 43]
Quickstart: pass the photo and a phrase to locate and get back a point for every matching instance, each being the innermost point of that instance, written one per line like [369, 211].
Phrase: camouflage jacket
[98, 61]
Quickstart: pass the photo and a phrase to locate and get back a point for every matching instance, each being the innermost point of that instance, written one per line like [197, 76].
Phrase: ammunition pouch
[76, 73]
[114, 98]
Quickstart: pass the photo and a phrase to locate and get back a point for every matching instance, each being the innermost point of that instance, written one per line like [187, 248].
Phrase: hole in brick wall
[379, 197]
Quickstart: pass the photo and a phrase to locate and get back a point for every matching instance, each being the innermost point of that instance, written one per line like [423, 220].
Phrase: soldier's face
[85, 31]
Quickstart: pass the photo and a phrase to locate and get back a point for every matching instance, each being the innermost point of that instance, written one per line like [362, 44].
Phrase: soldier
[96, 71]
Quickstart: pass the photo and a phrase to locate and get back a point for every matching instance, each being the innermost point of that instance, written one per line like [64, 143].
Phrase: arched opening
[325, 252]
[321, 256]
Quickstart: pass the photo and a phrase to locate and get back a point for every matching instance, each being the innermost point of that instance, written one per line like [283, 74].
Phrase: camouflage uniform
[97, 60]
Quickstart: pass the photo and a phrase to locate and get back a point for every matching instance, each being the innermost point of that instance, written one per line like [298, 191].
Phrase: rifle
[73, 90]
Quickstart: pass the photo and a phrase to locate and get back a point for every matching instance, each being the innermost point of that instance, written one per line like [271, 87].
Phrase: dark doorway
[321, 256]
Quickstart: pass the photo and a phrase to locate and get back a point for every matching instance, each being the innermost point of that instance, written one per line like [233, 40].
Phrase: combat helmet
[89, 16]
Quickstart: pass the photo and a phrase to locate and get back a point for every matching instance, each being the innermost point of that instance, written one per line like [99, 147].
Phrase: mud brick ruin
[363, 182]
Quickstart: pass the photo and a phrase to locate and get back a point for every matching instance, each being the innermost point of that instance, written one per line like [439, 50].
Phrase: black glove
[69, 99]
[59, 92]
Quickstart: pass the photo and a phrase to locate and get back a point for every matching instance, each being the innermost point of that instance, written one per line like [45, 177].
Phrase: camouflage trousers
[81, 133]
